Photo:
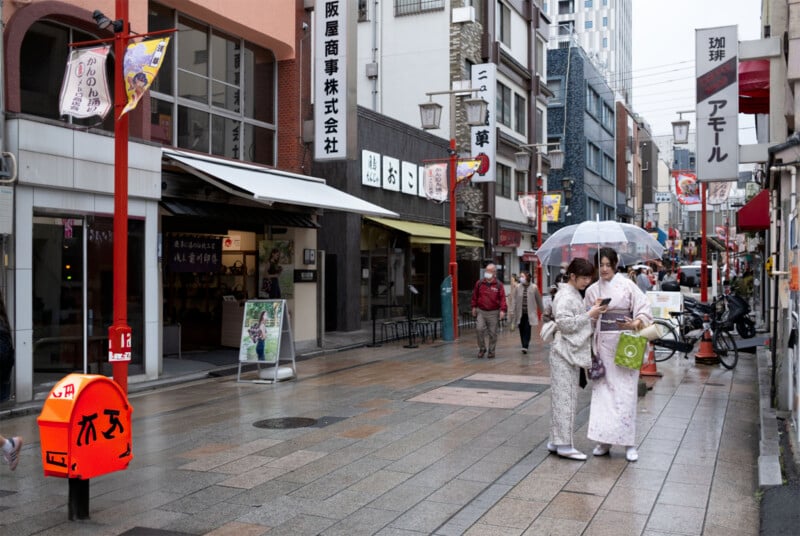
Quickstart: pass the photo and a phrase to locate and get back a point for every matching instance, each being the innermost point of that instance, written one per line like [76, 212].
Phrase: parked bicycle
[690, 326]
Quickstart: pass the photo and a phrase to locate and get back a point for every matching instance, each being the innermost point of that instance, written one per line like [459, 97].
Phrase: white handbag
[548, 331]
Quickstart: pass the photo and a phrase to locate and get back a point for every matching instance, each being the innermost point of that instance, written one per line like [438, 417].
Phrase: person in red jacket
[489, 306]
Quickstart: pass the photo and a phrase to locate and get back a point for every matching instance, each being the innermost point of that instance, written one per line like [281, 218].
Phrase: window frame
[209, 109]
[503, 184]
[504, 96]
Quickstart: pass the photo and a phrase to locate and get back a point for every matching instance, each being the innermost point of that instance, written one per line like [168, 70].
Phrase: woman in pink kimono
[612, 418]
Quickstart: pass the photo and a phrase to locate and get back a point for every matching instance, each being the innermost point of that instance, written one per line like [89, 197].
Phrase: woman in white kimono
[612, 418]
[569, 351]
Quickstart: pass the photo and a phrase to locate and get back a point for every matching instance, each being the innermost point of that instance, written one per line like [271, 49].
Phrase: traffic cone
[649, 364]
[706, 355]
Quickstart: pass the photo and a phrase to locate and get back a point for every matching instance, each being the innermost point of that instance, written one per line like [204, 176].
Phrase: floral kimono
[612, 418]
[569, 351]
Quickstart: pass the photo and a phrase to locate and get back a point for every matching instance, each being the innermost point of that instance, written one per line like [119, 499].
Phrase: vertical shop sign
[334, 83]
[717, 68]
[484, 137]
[370, 169]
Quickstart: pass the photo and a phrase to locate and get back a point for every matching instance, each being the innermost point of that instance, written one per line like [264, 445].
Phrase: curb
[769, 458]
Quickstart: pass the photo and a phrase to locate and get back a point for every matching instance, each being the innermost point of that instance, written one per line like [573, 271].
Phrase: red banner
[509, 238]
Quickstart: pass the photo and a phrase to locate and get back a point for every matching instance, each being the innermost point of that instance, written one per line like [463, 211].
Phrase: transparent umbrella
[632, 244]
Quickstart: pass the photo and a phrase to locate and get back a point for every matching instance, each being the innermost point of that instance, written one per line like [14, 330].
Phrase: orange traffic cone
[649, 364]
[706, 355]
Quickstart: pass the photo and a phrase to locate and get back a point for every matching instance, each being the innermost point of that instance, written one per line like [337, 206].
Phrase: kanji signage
[484, 137]
[716, 67]
[85, 428]
[84, 92]
[188, 253]
[334, 101]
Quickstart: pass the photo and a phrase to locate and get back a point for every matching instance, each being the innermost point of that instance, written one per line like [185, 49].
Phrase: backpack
[254, 332]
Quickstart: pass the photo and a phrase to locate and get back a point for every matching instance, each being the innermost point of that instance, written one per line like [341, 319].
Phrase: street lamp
[523, 163]
[680, 128]
[430, 116]
[566, 184]
[680, 131]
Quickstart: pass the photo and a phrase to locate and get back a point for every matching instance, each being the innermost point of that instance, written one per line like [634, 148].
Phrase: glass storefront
[73, 294]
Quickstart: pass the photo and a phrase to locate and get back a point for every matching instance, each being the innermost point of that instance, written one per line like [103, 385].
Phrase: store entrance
[73, 294]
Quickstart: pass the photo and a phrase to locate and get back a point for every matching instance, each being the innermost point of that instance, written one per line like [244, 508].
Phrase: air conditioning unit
[463, 14]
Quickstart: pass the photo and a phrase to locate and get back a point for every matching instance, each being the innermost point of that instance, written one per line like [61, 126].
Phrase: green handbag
[630, 351]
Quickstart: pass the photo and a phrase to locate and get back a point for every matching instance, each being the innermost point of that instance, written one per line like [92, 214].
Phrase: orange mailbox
[85, 428]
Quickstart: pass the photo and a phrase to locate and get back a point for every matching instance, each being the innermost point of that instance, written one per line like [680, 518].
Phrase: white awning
[272, 186]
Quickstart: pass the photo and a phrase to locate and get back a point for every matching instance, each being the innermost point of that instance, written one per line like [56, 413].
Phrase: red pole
[453, 263]
[539, 231]
[703, 246]
[119, 334]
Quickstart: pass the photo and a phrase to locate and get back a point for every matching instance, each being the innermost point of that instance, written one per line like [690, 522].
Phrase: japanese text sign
[332, 94]
[484, 137]
[716, 67]
[436, 182]
[84, 91]
[189, 253]
[85, 428]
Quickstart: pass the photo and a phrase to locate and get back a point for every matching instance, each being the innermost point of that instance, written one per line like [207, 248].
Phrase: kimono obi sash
[608, 322]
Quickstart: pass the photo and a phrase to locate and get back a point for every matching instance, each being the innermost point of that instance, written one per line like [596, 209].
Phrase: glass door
[58, 298]
[73, 295]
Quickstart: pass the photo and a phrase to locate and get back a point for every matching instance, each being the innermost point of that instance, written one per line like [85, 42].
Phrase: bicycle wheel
[669, 335]
[725, 348]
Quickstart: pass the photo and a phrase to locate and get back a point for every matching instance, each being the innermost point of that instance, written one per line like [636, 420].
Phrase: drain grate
[282, 423]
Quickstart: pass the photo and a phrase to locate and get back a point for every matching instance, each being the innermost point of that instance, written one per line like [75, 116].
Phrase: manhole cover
[285, 422]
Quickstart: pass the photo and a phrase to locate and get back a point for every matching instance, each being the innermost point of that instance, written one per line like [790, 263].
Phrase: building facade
[604, 28]
[581, 115]
[216, 185]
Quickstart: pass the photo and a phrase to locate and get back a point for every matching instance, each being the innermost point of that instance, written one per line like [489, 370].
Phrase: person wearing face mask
[527, 302]
[489, 307]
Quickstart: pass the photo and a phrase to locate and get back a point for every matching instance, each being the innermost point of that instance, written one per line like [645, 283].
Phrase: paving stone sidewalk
[411, 441]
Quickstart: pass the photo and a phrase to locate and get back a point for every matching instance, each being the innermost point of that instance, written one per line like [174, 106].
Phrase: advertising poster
[551, 207]
[276, 269]
[687, 187]
[261, 331]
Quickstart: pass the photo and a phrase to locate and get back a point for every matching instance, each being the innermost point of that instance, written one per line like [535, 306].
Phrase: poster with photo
[276, 269]
[261, 331]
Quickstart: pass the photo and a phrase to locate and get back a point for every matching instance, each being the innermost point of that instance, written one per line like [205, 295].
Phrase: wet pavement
[428, 440]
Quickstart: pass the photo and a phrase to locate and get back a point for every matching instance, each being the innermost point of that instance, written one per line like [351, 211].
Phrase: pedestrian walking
[612, 416]
[569, 352]
[10, 448]
[489, 307]
[527, 303]
[642, 281]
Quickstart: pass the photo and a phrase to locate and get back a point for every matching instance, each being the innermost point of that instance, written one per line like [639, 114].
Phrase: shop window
[62, 305]
[224, 100]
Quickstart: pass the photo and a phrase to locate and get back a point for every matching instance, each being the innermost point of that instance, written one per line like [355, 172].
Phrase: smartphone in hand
[605, 301]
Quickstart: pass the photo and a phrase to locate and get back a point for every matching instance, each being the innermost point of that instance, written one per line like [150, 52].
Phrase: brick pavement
[411, 441]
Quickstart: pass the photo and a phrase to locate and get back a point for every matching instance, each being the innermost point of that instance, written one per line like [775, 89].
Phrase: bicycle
[684, 338]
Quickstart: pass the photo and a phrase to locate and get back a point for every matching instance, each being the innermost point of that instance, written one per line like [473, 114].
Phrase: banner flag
[551, 207]
[84, 91]
[142, 61]
[435, 182]
[686, 187]
[466, 169]
[527, 204]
